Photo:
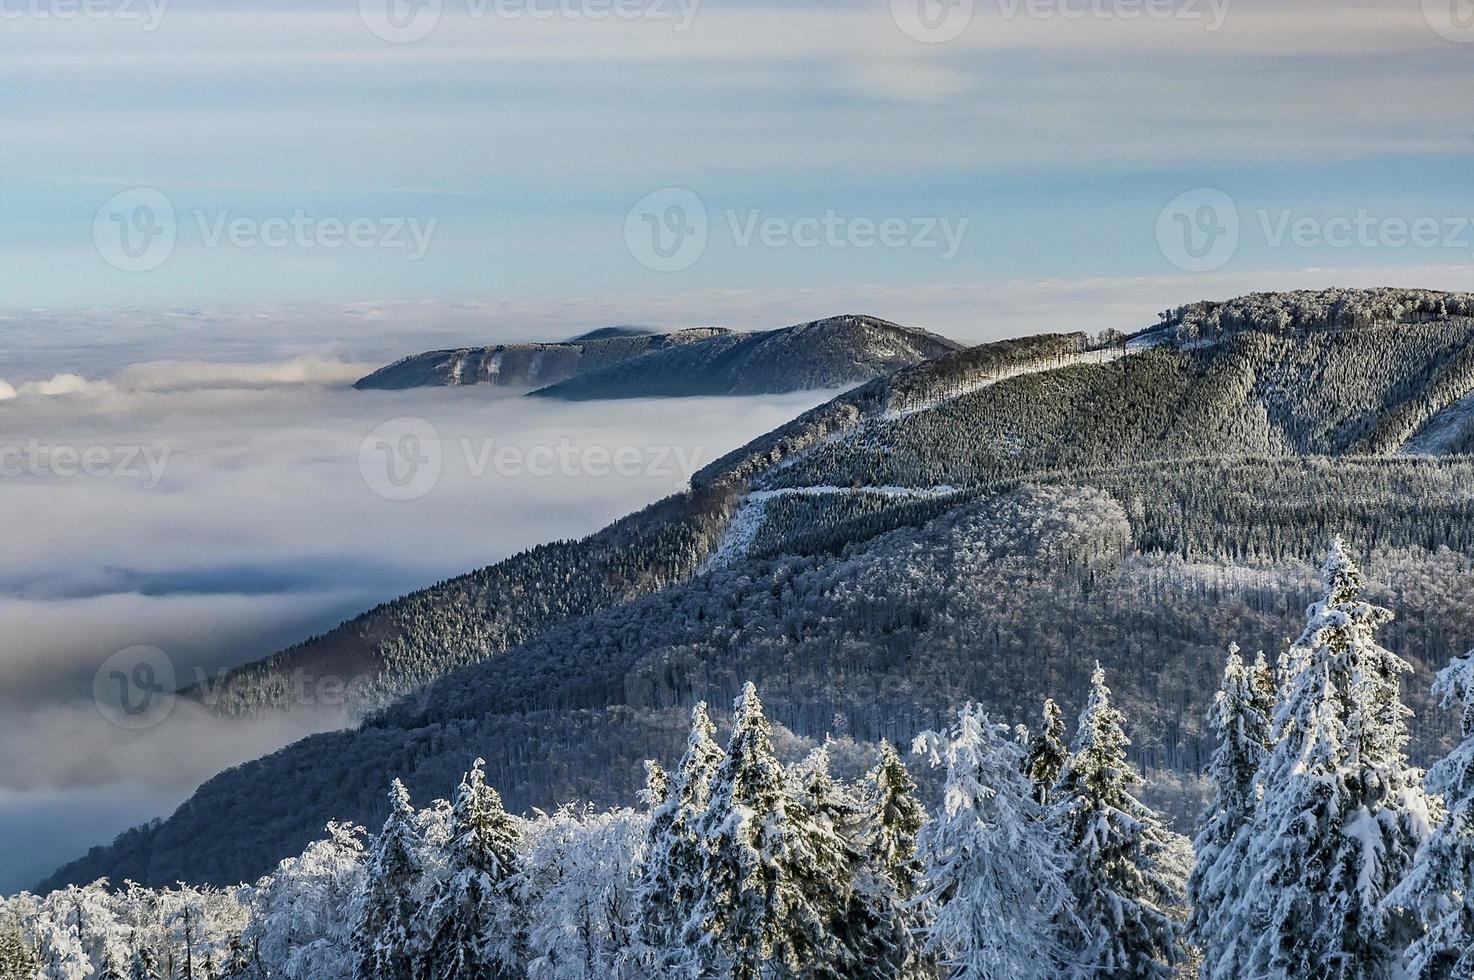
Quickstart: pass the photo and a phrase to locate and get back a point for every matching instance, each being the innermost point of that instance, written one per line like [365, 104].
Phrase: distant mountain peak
[609, 333]
[631, 362]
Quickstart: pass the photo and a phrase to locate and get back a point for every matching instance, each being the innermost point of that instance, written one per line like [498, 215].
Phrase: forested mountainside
[399, 645]
[526, 365]
[983, 526]
[833, 353]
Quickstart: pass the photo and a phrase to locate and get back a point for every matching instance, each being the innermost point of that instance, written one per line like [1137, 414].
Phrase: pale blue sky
[1049, 142]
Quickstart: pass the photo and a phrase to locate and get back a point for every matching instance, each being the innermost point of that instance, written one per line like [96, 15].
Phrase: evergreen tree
[827, 820]
[110, 968]
[237, 958]
[1047, 752]
[1440, 887]
[468, 929]
[994, 867]
[753, 918]
[145, 965]
[17, 960]
[383, 937]
[1119, 851]
[674, 852]
[890, 882]
[1222, 845]
[1341, 813]
[657, 786]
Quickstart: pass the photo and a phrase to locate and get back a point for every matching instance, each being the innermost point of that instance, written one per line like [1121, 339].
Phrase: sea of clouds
[220, 511]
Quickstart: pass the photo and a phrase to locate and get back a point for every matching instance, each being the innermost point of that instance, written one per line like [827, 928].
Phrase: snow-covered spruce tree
[237, 960]
[302, 915]
[111, 968]
[577, 893]
[994, 867]
[674, 849]
[383, 936]
[1047, 752]
[467, 927]
[1119, 854]
[1222, 845]
[17, 961]
[888, 884]
[1440, 887]
[1341, 813]
[828, 820]
[145, 965]
[752, 918]
[1265, 687]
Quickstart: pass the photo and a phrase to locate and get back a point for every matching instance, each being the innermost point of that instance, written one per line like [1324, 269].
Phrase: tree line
[1322, 853]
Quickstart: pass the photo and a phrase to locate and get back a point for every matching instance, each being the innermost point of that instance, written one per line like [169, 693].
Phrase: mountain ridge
[613, 362]
[834, 352]
[1050, 483]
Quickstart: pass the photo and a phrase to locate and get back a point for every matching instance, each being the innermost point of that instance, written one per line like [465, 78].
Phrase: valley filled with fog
[218, 512]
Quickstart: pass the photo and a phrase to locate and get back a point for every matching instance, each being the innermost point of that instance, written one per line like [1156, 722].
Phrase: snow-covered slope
[983, 525]
[526, 365]
[832, 353]
[618, 363]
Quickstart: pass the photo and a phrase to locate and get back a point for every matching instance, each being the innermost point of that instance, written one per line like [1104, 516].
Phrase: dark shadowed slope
[833, 353]
[526, 365]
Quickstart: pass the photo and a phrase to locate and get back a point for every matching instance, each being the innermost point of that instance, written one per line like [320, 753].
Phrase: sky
[215, 214]
[643, 155]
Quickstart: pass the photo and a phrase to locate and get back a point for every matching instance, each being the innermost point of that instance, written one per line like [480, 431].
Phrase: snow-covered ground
[1102, 356]
[1445, 432]
[743, 530]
